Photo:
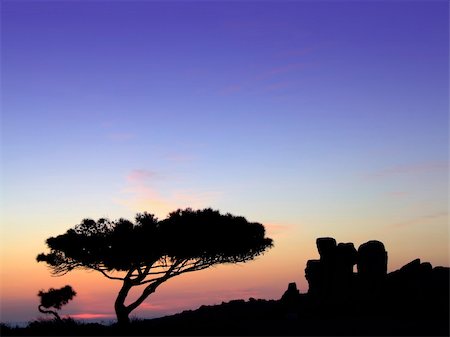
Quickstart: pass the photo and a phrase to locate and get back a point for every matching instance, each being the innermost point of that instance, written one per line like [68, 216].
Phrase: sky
[314, 118]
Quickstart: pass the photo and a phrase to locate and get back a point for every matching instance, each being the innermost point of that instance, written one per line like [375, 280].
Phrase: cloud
[276, 229]
[180, 158]
[287, 68]
[231, 89]
[141, 198]
[140, 175]
[420, 220]
[399, 194]
[87, 315]
[121, 136]
[413, 169]
[141, 194]
[278, 86]
[152, 306]
[264, 80]
[113, 130]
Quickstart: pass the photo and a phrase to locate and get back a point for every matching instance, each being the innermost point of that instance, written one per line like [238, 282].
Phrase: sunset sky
[314, 118]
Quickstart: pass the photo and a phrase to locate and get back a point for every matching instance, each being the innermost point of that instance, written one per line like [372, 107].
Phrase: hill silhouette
[413, 300]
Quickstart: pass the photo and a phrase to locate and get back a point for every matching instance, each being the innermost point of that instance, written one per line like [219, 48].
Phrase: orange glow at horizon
[266, 277]
[90, 316]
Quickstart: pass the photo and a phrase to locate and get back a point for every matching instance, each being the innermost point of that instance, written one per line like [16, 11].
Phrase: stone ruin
[415, 290]
[331, 278]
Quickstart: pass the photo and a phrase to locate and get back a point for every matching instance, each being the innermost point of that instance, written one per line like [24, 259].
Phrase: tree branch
[152, 286]
[149, 280]
[110, 277]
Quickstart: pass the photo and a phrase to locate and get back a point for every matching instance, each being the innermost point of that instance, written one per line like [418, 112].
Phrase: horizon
[315, 119]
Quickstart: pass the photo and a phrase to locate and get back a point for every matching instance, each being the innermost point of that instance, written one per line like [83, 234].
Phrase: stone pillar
[372, 269]
[326, 247]
[343, 280]
[327, 251]
[314, 276]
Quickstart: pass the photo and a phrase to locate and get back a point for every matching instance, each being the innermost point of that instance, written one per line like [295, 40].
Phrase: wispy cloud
[121, 136]
[282, 69]
[139, 198]
[278, 86]
[420, 220]
[399, 194]
[268, 79]
[142, 194]
[114, 131]
[140, 175]
[277, 229]
[153, 306]
[286, 63]
[87, 315]
[231, 89]
[412, 169]
[180, 158]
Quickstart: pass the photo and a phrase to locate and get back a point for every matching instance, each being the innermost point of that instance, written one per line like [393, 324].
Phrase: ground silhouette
[411, 301]
[416, 291]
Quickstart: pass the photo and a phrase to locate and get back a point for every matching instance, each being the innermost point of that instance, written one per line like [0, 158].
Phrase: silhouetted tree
[55, 298]
[149, 252]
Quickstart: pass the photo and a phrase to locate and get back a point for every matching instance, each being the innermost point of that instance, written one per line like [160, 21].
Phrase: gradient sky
[324, 118]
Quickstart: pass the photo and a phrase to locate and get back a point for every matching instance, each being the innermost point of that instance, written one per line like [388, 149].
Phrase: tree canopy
[150, 251]
[55, 298]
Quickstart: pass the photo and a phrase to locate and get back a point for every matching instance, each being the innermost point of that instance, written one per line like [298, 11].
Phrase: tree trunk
[54, 313]
[122, 312]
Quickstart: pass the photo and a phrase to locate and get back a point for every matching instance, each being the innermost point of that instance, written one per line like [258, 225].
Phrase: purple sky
[322, 117]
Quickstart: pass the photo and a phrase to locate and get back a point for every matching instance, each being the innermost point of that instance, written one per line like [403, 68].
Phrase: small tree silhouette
[55, 298]
[149, 252]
